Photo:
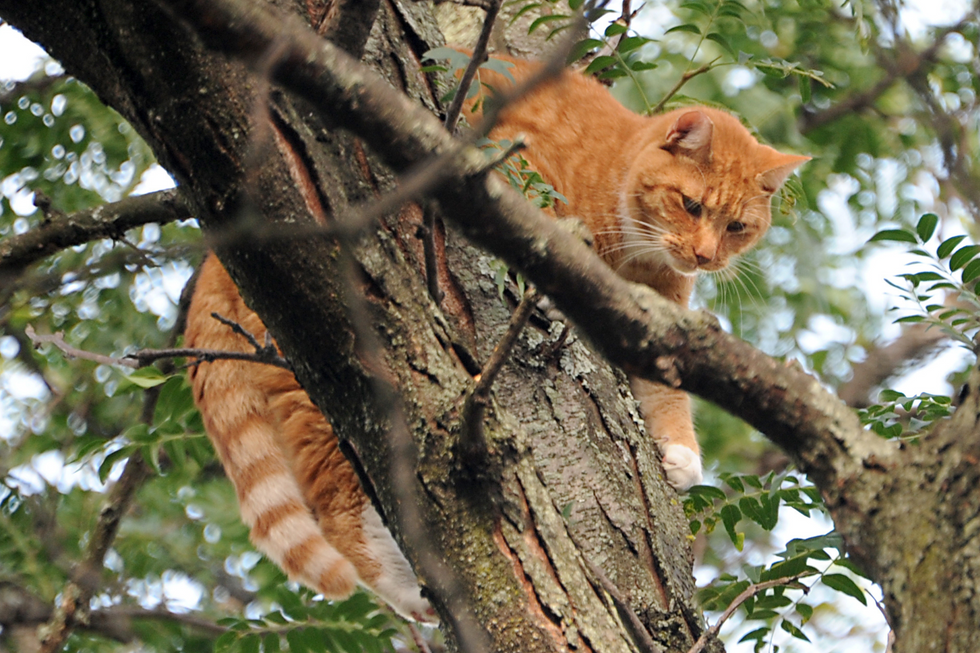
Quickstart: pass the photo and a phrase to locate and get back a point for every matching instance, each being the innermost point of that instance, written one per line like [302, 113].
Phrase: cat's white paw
[683, 466]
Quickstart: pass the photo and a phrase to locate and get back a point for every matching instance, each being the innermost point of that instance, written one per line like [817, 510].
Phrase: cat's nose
[702, 259]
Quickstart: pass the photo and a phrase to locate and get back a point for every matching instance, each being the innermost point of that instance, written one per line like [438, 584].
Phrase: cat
[665, 197]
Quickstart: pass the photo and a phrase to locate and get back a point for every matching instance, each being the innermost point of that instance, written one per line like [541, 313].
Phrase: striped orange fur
[297, 493]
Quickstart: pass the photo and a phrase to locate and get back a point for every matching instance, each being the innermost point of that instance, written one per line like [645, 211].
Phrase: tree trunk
[568, 509]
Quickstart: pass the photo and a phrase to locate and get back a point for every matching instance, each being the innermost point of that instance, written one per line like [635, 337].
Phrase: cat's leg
[667, 415]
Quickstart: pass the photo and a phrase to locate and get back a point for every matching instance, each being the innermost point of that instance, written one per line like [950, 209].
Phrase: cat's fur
[666, 197]
[626, 176]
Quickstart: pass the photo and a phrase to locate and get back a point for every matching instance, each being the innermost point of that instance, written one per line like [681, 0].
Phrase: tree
[546, 523]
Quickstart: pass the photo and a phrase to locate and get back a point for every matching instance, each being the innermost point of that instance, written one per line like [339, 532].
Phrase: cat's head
[699, 192]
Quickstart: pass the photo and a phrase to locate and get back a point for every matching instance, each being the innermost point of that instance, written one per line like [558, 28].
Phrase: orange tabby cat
[666, 197]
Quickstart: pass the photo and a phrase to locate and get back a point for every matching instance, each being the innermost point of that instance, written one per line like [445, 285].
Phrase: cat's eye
[736, 227]
[693, 207]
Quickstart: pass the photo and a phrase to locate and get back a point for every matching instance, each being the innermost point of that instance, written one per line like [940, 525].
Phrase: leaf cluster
[946, 300]
[778, 594]
[748, 497]
[301, 624]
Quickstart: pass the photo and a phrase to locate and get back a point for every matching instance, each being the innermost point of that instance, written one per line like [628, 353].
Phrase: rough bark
[908, 514]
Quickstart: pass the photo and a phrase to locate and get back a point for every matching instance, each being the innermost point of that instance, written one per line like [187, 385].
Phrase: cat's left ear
[690, 135]
[779, 167]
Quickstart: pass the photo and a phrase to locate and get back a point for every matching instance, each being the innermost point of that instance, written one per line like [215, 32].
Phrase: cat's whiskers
[736, 278]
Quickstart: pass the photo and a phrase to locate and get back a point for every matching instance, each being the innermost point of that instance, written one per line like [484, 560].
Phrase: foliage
[302, 624]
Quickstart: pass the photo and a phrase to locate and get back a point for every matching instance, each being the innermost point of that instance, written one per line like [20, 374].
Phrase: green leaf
[899, 235]
[948, 246]
[730, 516]
[499, 66]
[805, 611]
[639, 66]
[723, 42]
[687, 27]
[582, 48]
[927, 226]
[759, 634]
[844, 584]
[699, 7]
[735, 483]
[531, 6]
[804, 84]
[709, 492]
[147, 377]
[456, 58]
[250, 644]
[544, 20]
[963, 256]
[630, 43]
[793, 630]
[270, 643]
[600, 63]
[615, 29]
[612, 73]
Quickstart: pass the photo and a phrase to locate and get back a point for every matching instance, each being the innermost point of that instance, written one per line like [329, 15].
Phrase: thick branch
[636, 328]
[107, 221]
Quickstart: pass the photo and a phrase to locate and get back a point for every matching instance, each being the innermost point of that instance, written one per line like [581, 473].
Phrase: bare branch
[882, 363]
[107, 221]
[472, 443]
[144, 357]
[477, 60]
[906, 63]
[73, 606]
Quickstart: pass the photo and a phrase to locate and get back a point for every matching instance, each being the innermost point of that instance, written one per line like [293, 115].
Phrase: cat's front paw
[683, 466]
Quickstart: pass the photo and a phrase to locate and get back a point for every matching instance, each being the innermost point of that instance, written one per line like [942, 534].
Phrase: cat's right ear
[690, 136]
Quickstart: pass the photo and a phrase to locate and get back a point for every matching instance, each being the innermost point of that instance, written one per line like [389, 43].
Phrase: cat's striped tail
[297, 493]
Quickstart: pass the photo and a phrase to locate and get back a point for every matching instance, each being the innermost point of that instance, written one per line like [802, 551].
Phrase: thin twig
[477, 60]
[145, 357]
[432, 221]
[472, 444]
[420, 643]
[685, 78]
[748, 593]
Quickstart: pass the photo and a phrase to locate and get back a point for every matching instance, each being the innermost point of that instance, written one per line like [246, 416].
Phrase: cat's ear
[690, 136]
[778, 169]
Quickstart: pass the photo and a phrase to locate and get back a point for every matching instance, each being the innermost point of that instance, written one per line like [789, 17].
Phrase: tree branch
[107, 221]
[635, 328]
[145, 357]
[472, 442]
[748, 593]
[476, 60]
